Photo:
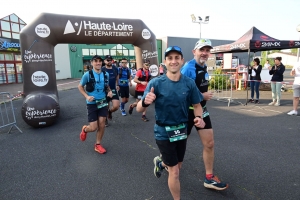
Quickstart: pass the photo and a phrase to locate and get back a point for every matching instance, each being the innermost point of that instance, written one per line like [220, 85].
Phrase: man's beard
[202, 61]
[109, 64]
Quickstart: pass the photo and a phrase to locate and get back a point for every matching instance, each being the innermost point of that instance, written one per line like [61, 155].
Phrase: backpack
[145, 76]
[90, 85]
[121, 71]
[115, 69]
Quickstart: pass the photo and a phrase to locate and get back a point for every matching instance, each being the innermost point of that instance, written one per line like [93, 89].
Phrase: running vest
[202, 80]
[121, 71]
[90, 85]
[144, 76]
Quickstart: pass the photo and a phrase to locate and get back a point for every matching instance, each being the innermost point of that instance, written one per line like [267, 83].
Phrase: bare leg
[295, 103]
[207, 138]
[101, 128]
[173, 182]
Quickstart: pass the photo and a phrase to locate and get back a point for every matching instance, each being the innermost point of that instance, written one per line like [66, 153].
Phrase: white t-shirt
[297, 73]
[266, 65]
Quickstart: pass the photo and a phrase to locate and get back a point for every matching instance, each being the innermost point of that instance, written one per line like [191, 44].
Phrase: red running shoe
[83, 134]
[99, 148]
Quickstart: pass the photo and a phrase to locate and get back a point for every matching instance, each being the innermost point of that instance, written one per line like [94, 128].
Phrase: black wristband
[199, 117]
[144, 105]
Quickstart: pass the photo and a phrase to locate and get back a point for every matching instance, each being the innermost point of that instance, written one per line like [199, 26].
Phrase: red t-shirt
[140, 87]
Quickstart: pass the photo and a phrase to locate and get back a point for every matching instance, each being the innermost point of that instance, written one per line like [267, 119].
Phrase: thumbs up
[150, 97]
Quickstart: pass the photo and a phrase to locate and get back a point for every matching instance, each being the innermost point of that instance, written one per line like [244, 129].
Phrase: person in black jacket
[276, 82]
[254, 72]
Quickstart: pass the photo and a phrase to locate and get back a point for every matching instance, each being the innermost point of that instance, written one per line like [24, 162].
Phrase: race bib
[123, 81]
[176, 133]
[101, 103]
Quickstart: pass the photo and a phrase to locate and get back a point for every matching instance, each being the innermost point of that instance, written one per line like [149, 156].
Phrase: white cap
[202, 43]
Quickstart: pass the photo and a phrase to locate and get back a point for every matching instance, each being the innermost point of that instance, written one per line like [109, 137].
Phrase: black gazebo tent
[255, 40]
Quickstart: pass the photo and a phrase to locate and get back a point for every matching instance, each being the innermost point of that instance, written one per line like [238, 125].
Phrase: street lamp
[206, 20]
[298, 52]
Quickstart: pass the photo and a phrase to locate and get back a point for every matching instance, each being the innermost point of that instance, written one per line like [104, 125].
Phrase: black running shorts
[172, 152]
[94, 113]
[138, 94]
[124, 91]
[191, 122]
[115, 97]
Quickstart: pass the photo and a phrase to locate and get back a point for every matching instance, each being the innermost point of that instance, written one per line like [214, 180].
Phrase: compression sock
[122, 105]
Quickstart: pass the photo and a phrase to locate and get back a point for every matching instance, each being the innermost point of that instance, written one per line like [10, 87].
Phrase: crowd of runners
[174, 120]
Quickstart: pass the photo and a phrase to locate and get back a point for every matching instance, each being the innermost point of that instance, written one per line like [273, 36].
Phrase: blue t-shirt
[123, 78]
[173, 99]
[99, 92]
[113, 73]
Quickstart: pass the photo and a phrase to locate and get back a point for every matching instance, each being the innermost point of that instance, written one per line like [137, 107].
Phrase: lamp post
[298, 52]
[200, 21]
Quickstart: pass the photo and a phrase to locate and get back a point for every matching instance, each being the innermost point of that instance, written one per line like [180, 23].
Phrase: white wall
[62, 61]
[164, 45]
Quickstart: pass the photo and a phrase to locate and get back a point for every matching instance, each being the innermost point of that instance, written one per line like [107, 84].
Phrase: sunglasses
[147, 64]
[172, 48]
[124, 62]
[108, 60]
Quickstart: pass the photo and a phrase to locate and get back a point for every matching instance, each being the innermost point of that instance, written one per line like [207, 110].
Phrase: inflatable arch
[40, 105]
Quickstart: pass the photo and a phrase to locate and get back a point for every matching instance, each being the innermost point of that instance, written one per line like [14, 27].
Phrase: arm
[271, 71]
[86, 96]
[147, 99]
[198, 115]
[130, 84]
[281, 70]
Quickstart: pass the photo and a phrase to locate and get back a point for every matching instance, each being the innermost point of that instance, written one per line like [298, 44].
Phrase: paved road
[257, 153]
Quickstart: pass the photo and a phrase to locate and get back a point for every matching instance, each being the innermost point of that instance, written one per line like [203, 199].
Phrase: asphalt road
[256, 151]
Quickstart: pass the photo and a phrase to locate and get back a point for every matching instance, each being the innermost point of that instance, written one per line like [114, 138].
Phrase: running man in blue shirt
[173, 94]
[196, 69]
[124, 83]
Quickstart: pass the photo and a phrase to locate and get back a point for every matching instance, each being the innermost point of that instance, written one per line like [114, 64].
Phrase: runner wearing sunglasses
[196, 69]
[171, 116]
[142, 78]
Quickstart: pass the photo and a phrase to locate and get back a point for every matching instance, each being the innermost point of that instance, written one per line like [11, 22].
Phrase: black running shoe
[130, 109]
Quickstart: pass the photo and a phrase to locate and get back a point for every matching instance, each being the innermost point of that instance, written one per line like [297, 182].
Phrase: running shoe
[215, 183]
[157, 169]
[130, 109]
[256, 102]
[83, 134]
[100, 149]
[106, 123]
[293, 112]
[251, 101]
[144, 118]
[272, 103]
[109, 116]
[123, 112]
[277, 104]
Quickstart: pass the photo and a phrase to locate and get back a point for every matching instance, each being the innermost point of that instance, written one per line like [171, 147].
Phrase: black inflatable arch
[40, 106]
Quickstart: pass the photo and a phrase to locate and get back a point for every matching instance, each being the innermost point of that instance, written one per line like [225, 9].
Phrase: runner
[142, 78]
[197, 70]
[124, 83]
[171, 116]
[113, 84]
[96, 83]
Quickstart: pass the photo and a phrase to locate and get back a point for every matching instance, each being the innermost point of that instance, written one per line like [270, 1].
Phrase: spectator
[266, 65]
[276, 82]
[255, 79]
[296, 87]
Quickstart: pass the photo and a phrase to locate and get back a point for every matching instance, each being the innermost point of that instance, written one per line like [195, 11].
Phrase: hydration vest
[144, 76]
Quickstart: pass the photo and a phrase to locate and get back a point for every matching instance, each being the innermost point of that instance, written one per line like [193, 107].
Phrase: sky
[228, 19]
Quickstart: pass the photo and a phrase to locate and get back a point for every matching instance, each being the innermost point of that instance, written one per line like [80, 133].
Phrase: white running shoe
[272, 103]
[293, 112]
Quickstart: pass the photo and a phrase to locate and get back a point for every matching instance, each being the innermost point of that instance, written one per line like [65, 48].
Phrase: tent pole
[248, 75]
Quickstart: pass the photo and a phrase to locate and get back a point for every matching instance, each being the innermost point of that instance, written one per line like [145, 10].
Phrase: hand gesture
[269, 67]
[150, 97]
[199, 122]
[207, 95]
[110, 94]
[90, 98]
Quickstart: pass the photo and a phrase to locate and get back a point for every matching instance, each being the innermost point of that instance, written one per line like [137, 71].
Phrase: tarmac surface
[257, 153]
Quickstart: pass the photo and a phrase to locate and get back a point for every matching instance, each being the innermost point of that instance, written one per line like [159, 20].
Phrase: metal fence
[7, 114]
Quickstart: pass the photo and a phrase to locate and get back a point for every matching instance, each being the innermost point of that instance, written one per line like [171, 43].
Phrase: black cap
[146, 61]
[108, 57]
[95, 57]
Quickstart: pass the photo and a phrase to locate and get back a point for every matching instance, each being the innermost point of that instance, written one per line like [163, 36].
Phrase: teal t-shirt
[173, 99]
[99, 92]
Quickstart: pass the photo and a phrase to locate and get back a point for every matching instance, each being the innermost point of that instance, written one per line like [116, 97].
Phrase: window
[106, 52]
[6, 34]
[92, 52]
[9, 56]
[125, 52]
[131, 52]
[99, 52]
[85, 52]
[16, 35]
[15, 27]
[22, 22]
[18, 57]
[112, 52]
[21, 26]
[5, 26]
[14, 18]
[1, 56]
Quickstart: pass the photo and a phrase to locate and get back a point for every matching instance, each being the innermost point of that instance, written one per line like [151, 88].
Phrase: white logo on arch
[39, 78]
[42, 30]
[146, 34]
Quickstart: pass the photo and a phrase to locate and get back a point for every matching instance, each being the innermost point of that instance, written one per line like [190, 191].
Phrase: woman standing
[296, 87]
[255, 79]
[276, 82]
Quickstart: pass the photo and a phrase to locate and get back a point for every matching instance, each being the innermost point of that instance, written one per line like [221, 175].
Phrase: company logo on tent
[291, 43]
[257, 44]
